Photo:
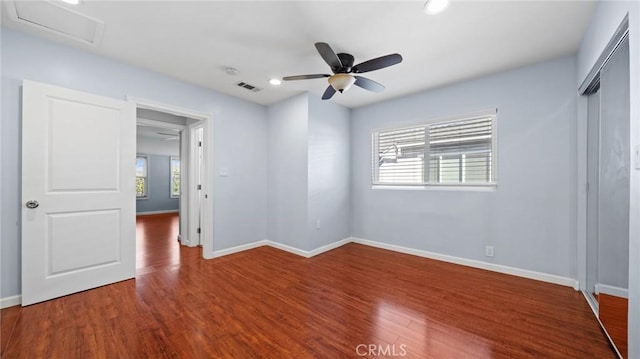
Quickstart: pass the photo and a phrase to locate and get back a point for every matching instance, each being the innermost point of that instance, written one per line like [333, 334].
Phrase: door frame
[187, 148]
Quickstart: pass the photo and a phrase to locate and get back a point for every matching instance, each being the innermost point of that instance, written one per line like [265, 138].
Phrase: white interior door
[200, 175]
[78, 177]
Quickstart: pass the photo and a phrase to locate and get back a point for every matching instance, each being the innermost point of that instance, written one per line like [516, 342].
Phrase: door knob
[32, 204]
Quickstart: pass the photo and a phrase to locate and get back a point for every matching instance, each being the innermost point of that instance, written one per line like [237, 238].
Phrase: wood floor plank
[266, 303]
[8, 319]
[613, 314]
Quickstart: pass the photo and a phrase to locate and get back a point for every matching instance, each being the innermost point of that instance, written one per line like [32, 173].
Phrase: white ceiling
[195, 40]
[157, 133]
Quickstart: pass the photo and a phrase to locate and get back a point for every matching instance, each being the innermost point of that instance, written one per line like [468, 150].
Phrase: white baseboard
[232, 250]
[311, 253]
[544, 277]
[611, 290]
[10, 301]
[157, 212]
[280, 246]
[328, 247]
[287, 248]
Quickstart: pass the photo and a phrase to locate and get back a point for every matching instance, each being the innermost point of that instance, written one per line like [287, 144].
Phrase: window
[175, 177]
[142, 165]
[459, 151]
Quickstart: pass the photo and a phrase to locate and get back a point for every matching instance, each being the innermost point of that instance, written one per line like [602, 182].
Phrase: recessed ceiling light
[275, 82]
[432, 7]
[72, 2]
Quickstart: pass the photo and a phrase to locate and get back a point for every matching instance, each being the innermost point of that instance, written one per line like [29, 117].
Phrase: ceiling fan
[342, 67]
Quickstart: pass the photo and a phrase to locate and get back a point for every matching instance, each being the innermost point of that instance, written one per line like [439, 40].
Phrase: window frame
[171, 159]
[145, 177]
[492, 113]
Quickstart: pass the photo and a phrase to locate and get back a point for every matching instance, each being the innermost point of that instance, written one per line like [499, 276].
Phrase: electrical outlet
[488, 251]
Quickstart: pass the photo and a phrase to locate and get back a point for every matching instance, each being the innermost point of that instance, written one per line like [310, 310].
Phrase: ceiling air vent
[248, 86]
[57, 19]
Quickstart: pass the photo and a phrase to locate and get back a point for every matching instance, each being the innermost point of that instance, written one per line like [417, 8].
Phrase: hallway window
[175, 177]
[141, 176]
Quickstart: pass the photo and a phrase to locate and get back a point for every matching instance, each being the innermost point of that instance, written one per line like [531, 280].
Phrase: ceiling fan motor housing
[347, 63]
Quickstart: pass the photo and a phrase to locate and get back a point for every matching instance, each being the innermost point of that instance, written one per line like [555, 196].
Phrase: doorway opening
[174, 163]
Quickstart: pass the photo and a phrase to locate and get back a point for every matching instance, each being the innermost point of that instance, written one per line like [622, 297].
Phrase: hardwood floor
[157, 245]
[613, 315]
[266, 303]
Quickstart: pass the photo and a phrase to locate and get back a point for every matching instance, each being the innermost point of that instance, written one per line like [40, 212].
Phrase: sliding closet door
[613, 196]
[593, 174]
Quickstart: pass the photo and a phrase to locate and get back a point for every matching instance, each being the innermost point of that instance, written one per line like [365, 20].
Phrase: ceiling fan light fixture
[341, 82]
[345, 72]
[433, 7]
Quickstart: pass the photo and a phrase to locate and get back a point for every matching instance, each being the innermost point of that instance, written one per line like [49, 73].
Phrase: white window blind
[401, 155]
[458, 152]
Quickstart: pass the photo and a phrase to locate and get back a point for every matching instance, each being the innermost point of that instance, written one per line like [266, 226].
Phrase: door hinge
[198, 231]
[587, 187]
[199, 143]
[199, 186]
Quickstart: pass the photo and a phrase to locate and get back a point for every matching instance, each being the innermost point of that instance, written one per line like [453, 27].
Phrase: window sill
[463, 188]
[137, 198]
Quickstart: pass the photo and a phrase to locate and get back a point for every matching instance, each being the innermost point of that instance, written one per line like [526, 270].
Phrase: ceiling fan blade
[328, 93]
[328, 55]
[369, 84]
[305, 77]
[377, 63]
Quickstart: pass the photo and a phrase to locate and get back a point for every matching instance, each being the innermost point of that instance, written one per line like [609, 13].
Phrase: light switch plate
[224, 172]
[636, 155]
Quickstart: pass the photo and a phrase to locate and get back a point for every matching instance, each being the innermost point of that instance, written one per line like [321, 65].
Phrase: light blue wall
[240, 143]
[329, 172]
[530, 217]
[308, 172]
[158, 186]
[287, 180]
[606, 19]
